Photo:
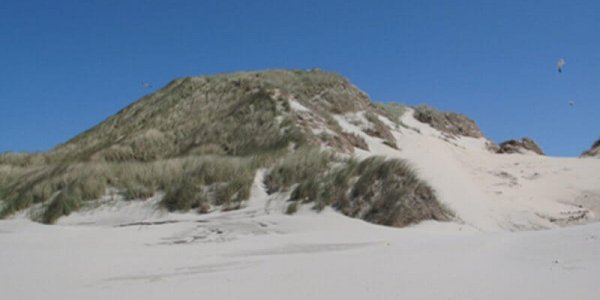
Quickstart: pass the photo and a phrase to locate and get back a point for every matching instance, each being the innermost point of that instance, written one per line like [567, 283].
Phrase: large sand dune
[494, 249]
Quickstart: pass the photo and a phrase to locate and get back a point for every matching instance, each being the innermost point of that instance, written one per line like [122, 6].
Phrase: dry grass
[195, 116]
[296, 167]
[63, 188]
[199, 140]
[392, 111]
[452, 124]
[224, 183]
[219, 114]
[356, 141]
[377, 190]
[380, 130]
[24, 159]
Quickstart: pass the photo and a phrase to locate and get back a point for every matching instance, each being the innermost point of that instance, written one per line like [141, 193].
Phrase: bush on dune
[378, 190]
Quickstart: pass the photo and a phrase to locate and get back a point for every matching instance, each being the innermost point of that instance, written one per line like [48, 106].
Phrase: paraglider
[146, 85]
[560, 65]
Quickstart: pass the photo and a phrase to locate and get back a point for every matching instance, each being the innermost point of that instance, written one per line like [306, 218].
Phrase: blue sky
[67, 65]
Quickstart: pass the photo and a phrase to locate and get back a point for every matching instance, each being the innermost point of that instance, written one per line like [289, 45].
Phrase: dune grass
[391, 110]
[199, 141]
[296, 167]
[378, 190]
[380, 130]
[451, 124]
[235, 114]
[62, 189]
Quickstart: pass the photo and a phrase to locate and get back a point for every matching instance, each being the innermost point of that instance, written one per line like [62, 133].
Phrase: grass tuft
[380, 130]
[378, 190]
[296, 167]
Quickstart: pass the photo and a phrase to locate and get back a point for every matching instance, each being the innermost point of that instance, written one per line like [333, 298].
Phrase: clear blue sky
[67, 65]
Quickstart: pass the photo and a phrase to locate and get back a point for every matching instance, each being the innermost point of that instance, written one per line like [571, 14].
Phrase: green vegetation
[392, 111]
[64, 188]
[377, 190]
[200, 141]
[380, 130]
[236, 114]
[297, 166]
[452, 124]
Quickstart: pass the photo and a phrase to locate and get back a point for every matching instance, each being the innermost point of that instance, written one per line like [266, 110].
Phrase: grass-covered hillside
[200, 140]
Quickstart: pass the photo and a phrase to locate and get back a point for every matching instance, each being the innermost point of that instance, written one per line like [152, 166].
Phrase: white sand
[258, 252]
[494, 192]
[295, 105]
[253, 255]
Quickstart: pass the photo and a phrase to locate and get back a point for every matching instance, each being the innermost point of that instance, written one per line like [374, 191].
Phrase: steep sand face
[489, 191]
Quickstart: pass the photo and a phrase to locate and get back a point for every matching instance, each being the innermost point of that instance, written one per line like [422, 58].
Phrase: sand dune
[494, 249]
